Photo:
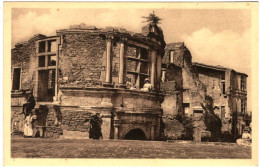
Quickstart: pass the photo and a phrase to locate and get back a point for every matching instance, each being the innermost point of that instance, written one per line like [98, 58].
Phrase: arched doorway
[135, 134]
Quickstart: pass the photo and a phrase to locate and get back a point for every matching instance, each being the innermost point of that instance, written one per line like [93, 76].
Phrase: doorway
[135, 134]
[46, 85]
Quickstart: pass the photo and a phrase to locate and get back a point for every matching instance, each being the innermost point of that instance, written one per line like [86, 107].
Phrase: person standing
[28, 131]
[29, 105]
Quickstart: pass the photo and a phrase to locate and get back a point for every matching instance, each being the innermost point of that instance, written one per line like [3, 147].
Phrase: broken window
[51, 60]
[223, 87]
[52, 46]
[47, 61]
[41, 62]
[198, 113]
[45, 58]
[137, 66]
[42, 46]
[186, 109]
[16, 78]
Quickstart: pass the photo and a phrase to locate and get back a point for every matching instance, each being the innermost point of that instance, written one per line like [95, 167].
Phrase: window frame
[20, 76]
[46, 55]
[223, 88]
[139, 60]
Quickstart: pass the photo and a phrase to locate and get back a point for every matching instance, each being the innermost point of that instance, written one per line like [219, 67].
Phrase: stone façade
[83, 86]
[212, 98]
[82, 72]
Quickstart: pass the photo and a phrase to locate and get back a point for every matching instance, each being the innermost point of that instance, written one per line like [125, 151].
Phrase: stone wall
[75, 119]
[23, 56]
[82, 60]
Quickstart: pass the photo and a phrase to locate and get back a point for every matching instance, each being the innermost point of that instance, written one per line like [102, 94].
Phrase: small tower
[152, 29]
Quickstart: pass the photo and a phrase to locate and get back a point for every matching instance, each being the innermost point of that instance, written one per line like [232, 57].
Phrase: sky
[213, 36]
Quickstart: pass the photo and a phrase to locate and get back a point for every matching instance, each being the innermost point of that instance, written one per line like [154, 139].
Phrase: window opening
[223, 87]
[42, 46]
[16, 78]
[41, 61]
[52, 60]
[52, 46]
[137, 66]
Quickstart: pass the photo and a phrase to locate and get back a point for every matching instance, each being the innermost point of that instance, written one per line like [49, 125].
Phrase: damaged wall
[82, 59]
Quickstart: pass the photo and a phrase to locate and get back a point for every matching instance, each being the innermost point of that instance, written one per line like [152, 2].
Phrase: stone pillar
[117, 123]
[35, 92]
[106, 126]
[108, 61]
[153, 68]
[159, 71]
[121, 63]
[116, 133]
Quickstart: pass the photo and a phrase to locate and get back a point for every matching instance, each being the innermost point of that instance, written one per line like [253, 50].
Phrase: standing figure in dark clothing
[95, 127]
[29, 105]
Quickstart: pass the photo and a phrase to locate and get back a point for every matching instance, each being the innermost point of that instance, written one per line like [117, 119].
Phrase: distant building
[215, 94]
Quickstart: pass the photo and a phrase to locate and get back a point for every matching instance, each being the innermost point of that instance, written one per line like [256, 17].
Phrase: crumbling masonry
[83, 73]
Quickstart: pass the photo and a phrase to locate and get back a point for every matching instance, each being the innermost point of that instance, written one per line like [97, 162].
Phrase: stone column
[109, 60]
[159, 71]
[116, 126]
[153, 68]
[36, 72]
[57, 68]
[116, 133]
[121, 63]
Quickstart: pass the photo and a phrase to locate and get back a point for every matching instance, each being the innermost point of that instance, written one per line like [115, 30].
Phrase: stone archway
[135, 134]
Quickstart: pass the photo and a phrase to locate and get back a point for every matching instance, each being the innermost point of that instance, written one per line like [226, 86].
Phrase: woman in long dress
[28, 131]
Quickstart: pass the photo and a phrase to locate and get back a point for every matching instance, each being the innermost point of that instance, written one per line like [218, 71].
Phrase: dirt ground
[79, 148]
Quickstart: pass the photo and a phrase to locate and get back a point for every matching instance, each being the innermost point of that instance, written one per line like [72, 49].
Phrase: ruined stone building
[213, 98]
[85, 72]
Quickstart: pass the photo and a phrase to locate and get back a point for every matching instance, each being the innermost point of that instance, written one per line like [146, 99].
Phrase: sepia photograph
[117, 81]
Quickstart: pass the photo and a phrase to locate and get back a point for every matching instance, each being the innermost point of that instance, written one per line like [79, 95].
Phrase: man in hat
[29, 105]
[147, 85]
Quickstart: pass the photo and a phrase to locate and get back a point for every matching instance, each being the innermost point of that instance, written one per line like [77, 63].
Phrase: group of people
[146, 88]
[26, 117]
